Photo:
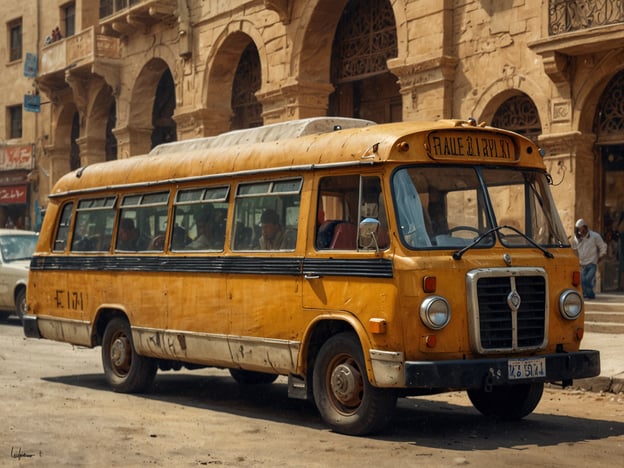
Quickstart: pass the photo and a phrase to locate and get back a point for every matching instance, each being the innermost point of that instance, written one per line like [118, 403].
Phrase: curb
[599, 384]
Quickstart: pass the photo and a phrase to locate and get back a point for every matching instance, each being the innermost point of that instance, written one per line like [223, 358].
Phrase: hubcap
[346, 384]
[120, 353]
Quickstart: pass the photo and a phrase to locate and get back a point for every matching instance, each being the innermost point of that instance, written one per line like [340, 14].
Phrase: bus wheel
[346, 400]
[245, 377]
[509, 403]
[124, 369]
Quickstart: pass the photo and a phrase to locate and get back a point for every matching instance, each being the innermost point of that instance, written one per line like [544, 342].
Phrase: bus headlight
[435, 312]
[570, 304]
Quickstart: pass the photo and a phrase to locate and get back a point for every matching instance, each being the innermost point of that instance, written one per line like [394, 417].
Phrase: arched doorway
[365, 39]
[163, 125]
[247, 111]
[609, 130]
[519, 114]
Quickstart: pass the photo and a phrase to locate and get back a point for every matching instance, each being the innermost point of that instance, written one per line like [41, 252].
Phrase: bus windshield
[449, 207]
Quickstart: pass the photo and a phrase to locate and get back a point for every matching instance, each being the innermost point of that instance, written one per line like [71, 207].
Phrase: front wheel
[508, 403]
[124, 369]
[346, 400]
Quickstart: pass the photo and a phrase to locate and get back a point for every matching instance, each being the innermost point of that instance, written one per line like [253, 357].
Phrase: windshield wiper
[458, 255]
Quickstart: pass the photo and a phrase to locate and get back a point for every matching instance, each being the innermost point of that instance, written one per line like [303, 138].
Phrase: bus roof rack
[273, 132]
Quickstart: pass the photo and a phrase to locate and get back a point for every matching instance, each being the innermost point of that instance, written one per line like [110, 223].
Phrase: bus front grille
[509, 309]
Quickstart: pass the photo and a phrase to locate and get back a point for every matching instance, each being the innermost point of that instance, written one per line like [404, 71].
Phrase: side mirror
[368, 233]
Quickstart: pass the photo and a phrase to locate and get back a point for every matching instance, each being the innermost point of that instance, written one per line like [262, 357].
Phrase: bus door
[264, 283]
[345, 262]
[197, 290]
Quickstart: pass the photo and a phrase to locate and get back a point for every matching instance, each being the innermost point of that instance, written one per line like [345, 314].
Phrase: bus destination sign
[471, 146]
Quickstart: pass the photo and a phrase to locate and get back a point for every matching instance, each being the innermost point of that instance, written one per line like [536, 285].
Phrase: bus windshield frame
[448, 207]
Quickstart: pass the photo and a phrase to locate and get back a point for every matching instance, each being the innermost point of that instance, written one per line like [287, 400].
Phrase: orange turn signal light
[377, 326]
[579, 334]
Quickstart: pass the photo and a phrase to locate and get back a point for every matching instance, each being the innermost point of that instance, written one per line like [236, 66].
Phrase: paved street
[57, 411]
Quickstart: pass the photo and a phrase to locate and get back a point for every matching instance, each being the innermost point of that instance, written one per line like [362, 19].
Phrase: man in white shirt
[590, 249]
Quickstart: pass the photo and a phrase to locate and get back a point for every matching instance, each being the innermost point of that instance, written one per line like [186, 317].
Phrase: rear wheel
[20, 304]
[510, 402]
[245, 377]
[124, 369]
[346, 400]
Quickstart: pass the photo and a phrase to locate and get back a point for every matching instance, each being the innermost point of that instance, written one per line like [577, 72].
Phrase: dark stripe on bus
[372, 268]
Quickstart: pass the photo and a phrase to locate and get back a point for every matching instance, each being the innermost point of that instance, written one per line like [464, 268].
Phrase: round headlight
[435, 312]
[570, 304]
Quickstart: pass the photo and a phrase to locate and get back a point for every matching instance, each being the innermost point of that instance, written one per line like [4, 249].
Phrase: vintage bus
[364, 262]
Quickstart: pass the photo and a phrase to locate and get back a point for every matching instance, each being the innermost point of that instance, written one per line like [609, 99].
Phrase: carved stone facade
[412, 60]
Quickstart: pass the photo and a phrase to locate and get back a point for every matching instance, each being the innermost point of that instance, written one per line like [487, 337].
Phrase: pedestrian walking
[591, 249]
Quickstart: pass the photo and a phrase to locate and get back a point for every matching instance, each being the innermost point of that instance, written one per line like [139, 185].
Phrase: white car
[16, 250]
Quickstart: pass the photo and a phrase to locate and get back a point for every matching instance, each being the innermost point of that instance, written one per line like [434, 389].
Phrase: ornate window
[365, 40]
[610, 116]
[519, 115]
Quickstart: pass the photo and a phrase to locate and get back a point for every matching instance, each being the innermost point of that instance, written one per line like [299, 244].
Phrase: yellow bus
[364, 262]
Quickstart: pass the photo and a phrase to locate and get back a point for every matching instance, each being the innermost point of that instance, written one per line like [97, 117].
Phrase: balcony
[81, 52]
[573, 15]
[577, 27]
[125, 17]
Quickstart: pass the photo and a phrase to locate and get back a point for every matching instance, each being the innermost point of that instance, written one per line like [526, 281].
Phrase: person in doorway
[591, 249]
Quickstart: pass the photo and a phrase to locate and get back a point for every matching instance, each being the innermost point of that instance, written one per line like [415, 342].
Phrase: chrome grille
[498, 324]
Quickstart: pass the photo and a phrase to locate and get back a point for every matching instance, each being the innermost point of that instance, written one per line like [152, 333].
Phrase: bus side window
[62, 231]
[200, 219]
[143, 222]
[267, 215]
[93, 226]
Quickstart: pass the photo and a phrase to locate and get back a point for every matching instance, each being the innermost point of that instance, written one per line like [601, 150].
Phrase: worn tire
[20, 304]
[509, 403]
[245, 377]
[124, 369]
[346, 400]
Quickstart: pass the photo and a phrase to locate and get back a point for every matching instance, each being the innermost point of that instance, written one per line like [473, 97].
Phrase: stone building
[129, 74]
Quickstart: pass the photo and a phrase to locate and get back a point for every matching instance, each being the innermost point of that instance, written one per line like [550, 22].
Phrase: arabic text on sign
[471, 146]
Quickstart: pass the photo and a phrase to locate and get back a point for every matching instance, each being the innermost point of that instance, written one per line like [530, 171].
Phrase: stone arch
[96, 121]
[504, 88]
[60, 150]
[221, 68]
[589, 93]
[142, 97]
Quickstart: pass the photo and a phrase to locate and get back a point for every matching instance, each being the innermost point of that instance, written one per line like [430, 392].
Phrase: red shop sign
[13, 194]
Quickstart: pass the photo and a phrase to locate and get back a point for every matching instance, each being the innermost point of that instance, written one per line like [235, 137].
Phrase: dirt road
[56, 410]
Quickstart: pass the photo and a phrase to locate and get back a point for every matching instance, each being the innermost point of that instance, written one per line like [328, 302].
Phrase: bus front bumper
[485, 373]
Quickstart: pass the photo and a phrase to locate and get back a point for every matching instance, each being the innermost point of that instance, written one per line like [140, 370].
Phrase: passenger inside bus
[274, 236]
[129, 237]
[211, 234]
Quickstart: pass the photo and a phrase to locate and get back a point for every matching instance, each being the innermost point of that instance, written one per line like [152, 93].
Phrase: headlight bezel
[569, 300]
[428, 312]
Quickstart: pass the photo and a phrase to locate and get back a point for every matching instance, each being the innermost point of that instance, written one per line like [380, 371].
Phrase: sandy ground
[57, 411]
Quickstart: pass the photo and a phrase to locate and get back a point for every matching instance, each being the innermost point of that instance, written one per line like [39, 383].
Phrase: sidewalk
[610, 345]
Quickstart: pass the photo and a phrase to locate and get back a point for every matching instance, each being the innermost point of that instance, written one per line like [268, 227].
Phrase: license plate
[526, 368]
